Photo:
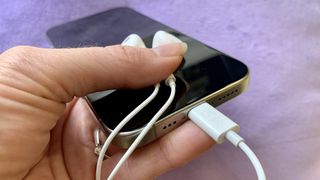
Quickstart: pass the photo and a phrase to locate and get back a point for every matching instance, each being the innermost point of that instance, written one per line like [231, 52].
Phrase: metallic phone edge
[172, 121]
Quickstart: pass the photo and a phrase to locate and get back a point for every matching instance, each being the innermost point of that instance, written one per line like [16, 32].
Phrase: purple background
[278, 40]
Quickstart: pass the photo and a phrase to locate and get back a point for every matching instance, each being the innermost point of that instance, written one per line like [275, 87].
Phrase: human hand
[46, 133]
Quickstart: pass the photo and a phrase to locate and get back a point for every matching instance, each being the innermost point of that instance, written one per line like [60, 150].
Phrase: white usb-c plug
[220, 128]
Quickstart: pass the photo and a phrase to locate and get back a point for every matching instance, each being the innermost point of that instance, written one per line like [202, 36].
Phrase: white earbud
[133, 40]
[162, 38]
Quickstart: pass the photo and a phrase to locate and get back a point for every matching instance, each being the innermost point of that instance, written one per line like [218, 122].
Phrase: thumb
[60, 74]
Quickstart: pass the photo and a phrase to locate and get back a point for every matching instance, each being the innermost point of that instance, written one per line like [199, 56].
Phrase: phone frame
[174, 120]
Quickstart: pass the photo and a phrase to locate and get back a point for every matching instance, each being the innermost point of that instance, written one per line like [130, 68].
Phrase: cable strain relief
[234, 138]
[170, 80]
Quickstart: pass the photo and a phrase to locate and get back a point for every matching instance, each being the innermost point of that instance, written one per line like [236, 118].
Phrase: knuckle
[130, 56]
[18, 57]
[20, 51]
[131, 61]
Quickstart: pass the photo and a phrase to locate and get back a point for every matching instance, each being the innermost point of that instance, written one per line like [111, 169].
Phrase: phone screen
[203, 72]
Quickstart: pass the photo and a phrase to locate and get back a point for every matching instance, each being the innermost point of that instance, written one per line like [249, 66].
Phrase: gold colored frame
[172, 121]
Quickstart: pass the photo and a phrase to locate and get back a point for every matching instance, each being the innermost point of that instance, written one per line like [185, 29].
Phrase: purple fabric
[278, 40]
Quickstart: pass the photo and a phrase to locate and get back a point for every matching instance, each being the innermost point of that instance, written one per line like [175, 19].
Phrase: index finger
[60, 74]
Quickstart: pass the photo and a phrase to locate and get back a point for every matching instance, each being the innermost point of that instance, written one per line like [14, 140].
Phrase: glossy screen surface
[204, 71]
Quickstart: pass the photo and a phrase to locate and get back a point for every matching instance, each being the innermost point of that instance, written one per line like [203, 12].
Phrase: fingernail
[175, 49]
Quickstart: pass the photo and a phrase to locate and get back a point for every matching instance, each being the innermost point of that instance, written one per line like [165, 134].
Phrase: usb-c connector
[220, 127]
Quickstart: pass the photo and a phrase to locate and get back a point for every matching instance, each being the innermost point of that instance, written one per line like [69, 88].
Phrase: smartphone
[206, 75]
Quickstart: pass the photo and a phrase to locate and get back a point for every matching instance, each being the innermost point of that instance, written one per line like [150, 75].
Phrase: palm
[69, 152]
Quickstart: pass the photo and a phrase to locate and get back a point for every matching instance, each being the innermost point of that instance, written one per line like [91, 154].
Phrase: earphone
[135, 40]
[210, 120]
[159, 39]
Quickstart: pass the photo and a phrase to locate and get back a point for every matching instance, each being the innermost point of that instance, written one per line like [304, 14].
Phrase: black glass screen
[204, 71]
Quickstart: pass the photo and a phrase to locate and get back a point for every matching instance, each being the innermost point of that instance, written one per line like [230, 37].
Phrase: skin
[46, 132]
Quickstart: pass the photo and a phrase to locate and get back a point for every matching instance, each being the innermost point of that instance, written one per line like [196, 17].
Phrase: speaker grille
[224, 97]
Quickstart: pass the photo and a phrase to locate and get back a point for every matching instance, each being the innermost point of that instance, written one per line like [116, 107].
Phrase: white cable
[120, 126]
[254, 160]
[171, 83]
[220, 128]
[238, 141]
[160, 38]
[131, 40]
